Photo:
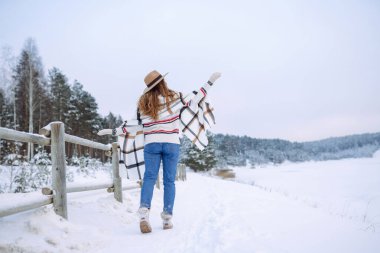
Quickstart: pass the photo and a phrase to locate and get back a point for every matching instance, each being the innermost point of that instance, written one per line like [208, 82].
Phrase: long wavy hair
[149, 103]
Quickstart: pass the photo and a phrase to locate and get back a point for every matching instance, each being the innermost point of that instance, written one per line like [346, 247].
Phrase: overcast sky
[297, 70]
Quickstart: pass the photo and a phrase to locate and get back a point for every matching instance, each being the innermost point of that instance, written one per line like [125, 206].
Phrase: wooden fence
[55, 136]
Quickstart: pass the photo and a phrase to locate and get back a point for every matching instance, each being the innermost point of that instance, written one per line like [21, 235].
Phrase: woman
[161, 141]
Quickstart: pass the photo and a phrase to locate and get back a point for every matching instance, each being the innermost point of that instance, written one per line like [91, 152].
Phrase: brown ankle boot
[144, 220]
[166, 220]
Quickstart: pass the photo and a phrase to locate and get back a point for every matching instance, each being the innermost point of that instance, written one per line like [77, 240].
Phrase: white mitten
[214, 77]
[105, 132]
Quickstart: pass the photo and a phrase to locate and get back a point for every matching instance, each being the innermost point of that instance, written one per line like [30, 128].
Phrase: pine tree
[184, 150]
[60, 94]
[7, 64]
[2, 106]
[110, 121]
[84, 120]
[2, 116]
[201, 160]
[6, 146]
[29, 90]
[7, 61]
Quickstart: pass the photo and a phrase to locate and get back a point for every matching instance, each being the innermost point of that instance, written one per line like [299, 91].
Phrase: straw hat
[152, 79]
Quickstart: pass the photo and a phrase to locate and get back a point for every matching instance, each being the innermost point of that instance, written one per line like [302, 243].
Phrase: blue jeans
[153, 154]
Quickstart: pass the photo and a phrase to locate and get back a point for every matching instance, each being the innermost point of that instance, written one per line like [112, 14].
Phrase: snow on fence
[55, 136]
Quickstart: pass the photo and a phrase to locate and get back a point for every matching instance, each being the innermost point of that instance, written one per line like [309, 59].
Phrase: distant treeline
[238, 150]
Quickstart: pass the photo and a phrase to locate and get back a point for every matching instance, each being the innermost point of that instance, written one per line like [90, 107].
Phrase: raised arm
[203, 91]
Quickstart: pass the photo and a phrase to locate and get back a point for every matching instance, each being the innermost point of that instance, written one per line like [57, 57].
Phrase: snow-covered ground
[348, 188]
[307, 207]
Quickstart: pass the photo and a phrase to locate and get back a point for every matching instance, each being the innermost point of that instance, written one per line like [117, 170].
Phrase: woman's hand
[214, 77]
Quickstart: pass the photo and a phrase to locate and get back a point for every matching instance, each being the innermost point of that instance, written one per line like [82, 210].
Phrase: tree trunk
[30, 145]
[1, 144]
[14, 108]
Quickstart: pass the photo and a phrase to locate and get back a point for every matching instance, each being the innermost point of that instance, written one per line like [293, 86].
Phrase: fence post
[58, 168]
[158, 181]
[118, 194]
[178, 172]
[183, 171]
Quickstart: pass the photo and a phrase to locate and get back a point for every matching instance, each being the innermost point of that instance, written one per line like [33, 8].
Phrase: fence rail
[45, 200]
[13, 135]
[83, 188]
[46, 131]
[54, 135]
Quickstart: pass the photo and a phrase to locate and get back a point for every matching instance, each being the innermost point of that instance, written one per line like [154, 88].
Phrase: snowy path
[211, 215]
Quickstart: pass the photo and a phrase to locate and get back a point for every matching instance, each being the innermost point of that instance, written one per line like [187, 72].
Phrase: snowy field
[308, 207]
[348, 188]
